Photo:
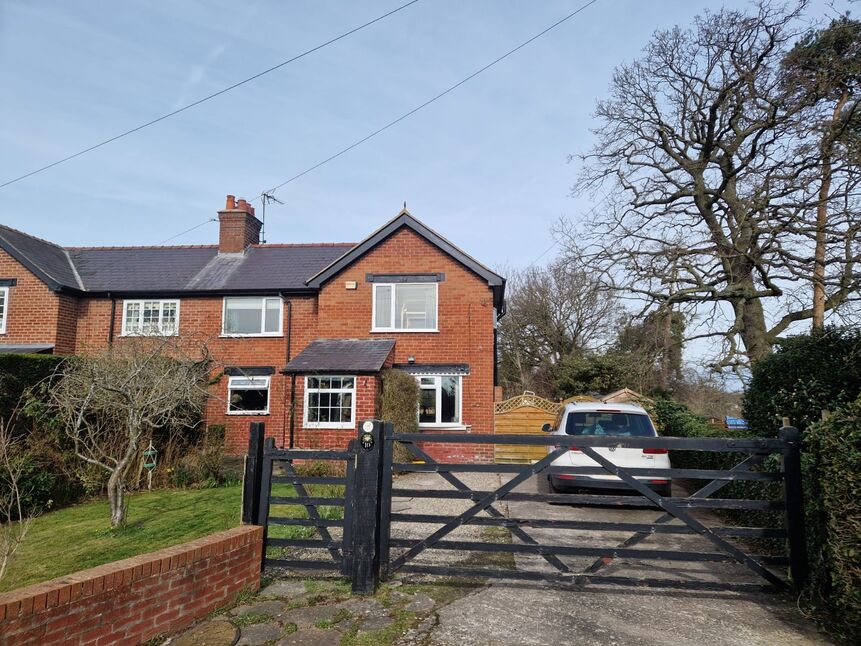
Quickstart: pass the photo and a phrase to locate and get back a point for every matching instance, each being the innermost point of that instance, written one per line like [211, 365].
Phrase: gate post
[794, 500]
[365, 521]
[251, 477]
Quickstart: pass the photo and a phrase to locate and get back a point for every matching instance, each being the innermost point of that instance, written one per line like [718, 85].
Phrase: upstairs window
[248, 395]
[4, 307]
[330, 402]
[407, 307]
[151, 317]
[440, 401]
[252, 316]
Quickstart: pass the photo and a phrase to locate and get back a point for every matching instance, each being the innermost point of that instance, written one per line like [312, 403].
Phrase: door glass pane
[273, 314]
[427, 406]
[383, 309]
[415, 307]
[449, 399]
[242, 316]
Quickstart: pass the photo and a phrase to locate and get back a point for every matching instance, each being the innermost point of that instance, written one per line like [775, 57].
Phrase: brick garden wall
[136, 599]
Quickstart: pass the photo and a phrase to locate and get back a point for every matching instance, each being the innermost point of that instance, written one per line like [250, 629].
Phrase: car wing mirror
[547, 428]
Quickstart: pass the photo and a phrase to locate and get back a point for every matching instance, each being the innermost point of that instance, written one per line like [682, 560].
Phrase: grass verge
[79, 537]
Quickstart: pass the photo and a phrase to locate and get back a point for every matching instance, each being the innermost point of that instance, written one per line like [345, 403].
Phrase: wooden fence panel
[522, 415]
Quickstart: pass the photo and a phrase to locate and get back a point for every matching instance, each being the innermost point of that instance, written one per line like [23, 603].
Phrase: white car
[593, 418]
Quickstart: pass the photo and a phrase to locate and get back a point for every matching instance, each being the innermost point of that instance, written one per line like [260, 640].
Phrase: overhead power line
[428, 102]
[209, 97]
[189, 230]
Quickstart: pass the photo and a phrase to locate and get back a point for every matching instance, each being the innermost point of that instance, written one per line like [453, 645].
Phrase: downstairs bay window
[330, 402]
[440, 401]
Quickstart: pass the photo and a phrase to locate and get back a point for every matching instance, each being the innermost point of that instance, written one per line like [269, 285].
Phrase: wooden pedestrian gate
[275, 481]
[367, 549]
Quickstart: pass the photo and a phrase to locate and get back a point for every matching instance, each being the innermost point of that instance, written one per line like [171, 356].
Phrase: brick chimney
[238, 227]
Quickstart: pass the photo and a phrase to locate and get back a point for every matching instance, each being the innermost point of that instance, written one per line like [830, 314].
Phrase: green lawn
[76, 538]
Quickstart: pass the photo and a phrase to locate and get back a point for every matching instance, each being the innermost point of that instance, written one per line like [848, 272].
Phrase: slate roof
[330, 356]
[264, 268]
[405, 220]
[129, 270]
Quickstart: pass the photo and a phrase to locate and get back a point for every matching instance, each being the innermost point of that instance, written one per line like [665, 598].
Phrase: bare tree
[552, 313]
[108, 403]
[15, 516]
[711, 166]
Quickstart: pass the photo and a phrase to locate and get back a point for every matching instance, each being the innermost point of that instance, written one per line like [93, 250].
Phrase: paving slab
[271, 608]
[373, 624]
[421, 603]
[310, 637]
[362, 607]
[284, 589]
[259, 634]
[311, 615]
[210, 633]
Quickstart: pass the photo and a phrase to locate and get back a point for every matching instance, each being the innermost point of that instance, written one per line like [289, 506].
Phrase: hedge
[20, 372]
[806, 374]
[832, 467]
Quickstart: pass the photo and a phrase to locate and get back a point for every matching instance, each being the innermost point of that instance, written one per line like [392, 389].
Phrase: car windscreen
[609, 423]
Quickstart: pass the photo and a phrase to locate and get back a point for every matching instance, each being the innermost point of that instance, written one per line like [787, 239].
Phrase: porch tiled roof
[350, 356]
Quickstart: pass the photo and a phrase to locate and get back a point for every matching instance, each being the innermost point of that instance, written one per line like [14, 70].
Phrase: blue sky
[486, 166]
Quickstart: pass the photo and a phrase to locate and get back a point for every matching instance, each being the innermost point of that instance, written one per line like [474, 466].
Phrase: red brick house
[302, 330]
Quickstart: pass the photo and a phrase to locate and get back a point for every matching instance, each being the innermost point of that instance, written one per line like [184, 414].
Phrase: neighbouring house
[302, 330]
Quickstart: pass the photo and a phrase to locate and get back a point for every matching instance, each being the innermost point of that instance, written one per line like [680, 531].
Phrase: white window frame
[438, 388]
[394, 329]
[141, 301]
[5, 292]
[262, 300]
[331, 425]
[230, 381]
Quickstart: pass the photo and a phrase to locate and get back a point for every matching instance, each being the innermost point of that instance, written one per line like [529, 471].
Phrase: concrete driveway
[518, 612]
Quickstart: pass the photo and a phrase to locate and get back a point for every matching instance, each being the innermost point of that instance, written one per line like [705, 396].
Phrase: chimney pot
[238, 227]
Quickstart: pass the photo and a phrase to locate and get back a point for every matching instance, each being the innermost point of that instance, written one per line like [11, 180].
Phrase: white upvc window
[330, 401]
[441, 401]
[248, 396]
[252, 316]
[150, 317]
[405, 307]
[4, 308]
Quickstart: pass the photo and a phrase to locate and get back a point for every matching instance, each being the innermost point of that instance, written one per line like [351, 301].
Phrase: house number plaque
[367, 440]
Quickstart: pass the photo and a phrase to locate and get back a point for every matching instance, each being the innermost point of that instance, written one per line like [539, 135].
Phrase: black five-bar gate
[361, 544]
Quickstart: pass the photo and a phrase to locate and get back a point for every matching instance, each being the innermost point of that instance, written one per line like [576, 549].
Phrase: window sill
[443, 427]
[248, 413]
[152, 335]
[378, 331]
[251, 336]
[328, 426]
